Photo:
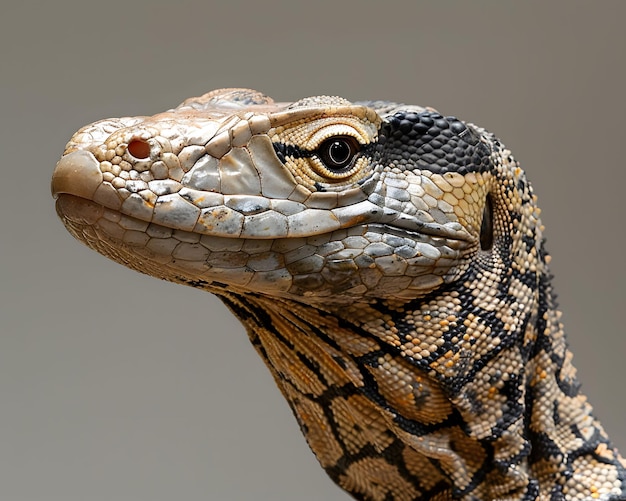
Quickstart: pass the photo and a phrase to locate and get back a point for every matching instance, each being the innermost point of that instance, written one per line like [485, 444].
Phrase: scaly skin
[388, 264]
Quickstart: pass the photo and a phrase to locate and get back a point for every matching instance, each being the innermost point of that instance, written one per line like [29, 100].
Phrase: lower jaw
[213, 263]
[217, 263]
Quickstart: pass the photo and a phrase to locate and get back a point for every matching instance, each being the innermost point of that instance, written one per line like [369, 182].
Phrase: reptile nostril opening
[139, 148]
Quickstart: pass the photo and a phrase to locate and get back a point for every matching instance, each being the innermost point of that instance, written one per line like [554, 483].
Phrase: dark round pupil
[339, 152]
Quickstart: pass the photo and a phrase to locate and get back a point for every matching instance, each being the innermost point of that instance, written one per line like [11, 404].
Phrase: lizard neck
[439, 396]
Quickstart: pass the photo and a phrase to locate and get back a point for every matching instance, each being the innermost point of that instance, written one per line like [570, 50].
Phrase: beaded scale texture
[388, 265]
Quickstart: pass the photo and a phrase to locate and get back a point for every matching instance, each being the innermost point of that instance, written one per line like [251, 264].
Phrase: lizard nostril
[139, 148]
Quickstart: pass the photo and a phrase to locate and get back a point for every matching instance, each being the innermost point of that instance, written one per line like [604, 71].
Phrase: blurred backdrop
[115, 386]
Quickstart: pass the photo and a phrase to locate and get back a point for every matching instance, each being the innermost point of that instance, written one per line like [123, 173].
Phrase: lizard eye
[338, 153]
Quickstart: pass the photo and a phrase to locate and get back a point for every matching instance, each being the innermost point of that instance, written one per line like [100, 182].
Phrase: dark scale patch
[289, 150]
[427, 140]
[331, 393]
[340, 361]
[523, 186]
[529, 241]
[259, 315]
[528, 278]
[568, 385]
[589, 445]
[514, 407]
[199, 284]
[313, 366]
[475, 404]
[371, 358]
[393, 455]
[543, 446]
[532, 491]
[556, 417]
[370, 387]
[419, 429]
[329, 341]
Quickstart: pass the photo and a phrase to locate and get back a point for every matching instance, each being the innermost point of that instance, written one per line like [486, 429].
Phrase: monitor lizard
[388, 263]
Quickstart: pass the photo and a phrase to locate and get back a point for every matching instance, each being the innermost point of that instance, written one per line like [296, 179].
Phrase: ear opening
[486, 227]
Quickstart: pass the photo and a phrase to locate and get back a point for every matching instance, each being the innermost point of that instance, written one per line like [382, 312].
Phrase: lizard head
[321, 198]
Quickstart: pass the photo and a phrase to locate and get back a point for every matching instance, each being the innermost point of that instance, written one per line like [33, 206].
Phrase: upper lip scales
[78, 173]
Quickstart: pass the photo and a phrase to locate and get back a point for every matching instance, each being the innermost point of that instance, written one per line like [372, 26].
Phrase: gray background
[115, 386]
